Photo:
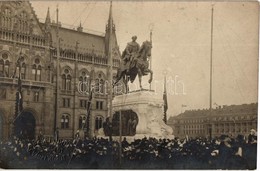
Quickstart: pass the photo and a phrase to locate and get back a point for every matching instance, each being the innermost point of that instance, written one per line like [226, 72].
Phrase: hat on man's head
[253, 131]
[134, 37]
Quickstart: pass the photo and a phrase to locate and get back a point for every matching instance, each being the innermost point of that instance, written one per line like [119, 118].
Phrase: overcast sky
[181, 44]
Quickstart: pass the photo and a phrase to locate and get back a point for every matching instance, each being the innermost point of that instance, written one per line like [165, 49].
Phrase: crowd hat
[134, 37]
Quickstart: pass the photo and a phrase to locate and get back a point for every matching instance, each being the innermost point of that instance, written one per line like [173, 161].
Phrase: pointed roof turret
[80, 28]
[110, 23]
[110, 36]
[48, 18]
[47, 26]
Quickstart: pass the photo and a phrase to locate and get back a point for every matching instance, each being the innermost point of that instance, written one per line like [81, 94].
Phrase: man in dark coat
[236, 161]
[225, 152]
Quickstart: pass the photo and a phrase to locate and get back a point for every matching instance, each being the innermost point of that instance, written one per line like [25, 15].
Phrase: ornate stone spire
[110, 36]
[48, 18]
[47, 27]
[110, 19]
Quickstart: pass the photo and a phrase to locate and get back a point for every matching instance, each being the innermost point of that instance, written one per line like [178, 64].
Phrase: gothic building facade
[227, 120]
[83, 62]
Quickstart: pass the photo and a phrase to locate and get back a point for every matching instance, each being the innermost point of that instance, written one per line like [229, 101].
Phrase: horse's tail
[119, 75]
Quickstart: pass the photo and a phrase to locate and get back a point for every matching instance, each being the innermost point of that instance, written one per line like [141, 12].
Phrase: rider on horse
[135, 61]
[130, 52]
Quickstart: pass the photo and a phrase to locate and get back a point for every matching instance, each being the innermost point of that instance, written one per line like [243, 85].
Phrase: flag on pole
[19, 96]
[87, 125]
[20, 85]
[165, 101]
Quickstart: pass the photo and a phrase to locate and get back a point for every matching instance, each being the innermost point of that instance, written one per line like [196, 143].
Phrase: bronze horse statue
[138, 65]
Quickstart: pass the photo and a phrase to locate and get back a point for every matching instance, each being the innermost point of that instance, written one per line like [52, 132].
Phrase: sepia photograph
[129, 84]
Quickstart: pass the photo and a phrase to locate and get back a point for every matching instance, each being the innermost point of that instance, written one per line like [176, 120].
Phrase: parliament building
[83, 57]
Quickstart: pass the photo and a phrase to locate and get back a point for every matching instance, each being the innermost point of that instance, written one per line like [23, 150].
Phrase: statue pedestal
[149, 110]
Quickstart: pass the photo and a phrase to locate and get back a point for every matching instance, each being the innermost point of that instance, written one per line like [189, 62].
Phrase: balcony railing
[31, 83]
[92, 60]
[25, 39]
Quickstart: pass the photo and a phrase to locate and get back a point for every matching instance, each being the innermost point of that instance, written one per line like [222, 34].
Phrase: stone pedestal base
[149, 110]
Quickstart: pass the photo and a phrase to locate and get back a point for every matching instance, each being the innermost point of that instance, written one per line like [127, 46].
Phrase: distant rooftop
[88, 42]
[244, 108]
[74, 27]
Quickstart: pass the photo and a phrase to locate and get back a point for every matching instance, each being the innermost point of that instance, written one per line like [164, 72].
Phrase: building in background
[229, 120]
[84, 57]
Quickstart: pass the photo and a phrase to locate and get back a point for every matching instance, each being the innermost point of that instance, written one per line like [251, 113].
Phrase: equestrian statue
[135, 61]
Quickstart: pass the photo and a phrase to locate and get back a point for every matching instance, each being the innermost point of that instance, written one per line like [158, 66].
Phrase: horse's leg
[125, 80]
[127, 86]
[151, 76]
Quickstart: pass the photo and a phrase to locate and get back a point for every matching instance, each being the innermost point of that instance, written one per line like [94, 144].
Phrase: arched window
[82, 121]
[83, 82]
[38, 73]
[99, 85]
[6, 68]
[1, 68]
[65, 121]
[4, 65]
[98, 122]
[63, 77]
[62, 121]
[66, 80]
[23, 71]
[36, 70]
[36, 96]
[7, 18]
[23, 68]
[23, 25]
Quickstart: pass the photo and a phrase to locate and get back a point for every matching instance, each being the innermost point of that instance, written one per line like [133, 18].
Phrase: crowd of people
[223, 152]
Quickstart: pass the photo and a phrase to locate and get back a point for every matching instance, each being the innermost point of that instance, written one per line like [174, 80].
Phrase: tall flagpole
[111, 83]
[211, 49]
[211, 69]
[110, 61]
[57, 75]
